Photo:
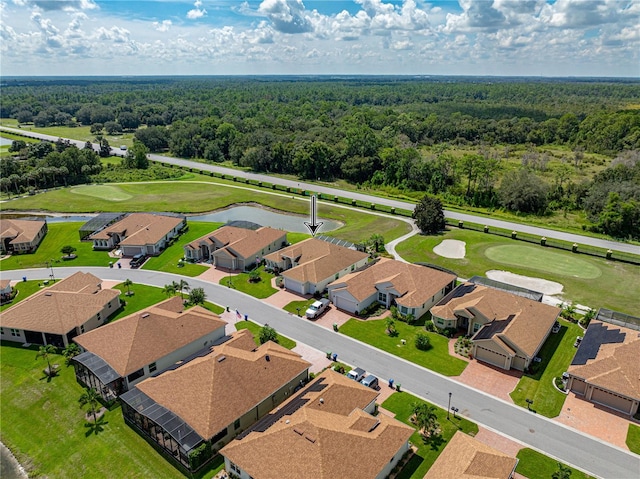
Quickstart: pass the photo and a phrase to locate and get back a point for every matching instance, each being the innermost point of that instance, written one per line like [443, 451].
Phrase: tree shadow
[410, 467]
[435, 441]
[95, 427]
[46, 375]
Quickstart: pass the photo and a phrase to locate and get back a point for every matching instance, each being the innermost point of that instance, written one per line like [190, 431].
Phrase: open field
[200, 197]
[81, 133]
[401, 403]
[615, 288]
[538, 466]
[45, 428]
[437, 358]
[556, 354]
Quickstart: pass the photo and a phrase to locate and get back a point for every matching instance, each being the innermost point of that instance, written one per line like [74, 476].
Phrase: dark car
[137, 260]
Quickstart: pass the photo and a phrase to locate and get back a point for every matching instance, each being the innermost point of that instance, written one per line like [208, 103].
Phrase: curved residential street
[554, 439]
[573, 238]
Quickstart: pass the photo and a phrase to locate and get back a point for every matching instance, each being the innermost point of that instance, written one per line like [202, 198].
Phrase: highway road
[319, 188]
[556, 440]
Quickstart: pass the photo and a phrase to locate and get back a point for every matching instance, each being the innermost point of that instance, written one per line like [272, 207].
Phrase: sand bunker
[451, 249]
[536, 284]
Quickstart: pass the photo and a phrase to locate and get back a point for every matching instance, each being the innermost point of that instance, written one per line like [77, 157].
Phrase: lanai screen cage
[99, 222]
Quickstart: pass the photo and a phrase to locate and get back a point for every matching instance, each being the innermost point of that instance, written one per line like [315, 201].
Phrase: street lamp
[529, 403]
[449, 407]
[298, 310]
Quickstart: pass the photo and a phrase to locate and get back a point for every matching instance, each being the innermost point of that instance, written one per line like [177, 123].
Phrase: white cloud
[162, 26]
[287, 16]
[197, 12]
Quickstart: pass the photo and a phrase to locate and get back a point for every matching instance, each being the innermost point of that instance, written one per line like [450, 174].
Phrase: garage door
[294, 286]
[578, 386]
[491, 357]
[612, 400]
[223, 262]
[132, 250]
[344, 304]
[518, 363]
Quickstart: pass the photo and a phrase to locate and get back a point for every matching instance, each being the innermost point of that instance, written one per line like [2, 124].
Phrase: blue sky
[235, 37]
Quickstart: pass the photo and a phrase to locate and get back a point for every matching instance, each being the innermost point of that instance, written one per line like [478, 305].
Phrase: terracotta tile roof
[212, 391]
[317, 260]
[240, 241]
[531, 320]
[416, 284]
[22, 231]
[148, 335]
[140, 228]
[467, 458]
[616, 366]
[317, 442]
[59, 308]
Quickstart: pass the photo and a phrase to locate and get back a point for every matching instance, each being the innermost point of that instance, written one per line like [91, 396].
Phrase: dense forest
[531, 146]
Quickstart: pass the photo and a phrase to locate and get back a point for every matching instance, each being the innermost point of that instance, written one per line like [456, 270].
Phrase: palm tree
[70, 352]
[127, 283]
[391, 326]
[183, 286]
[44, 353]
[92, 398]
[169, 289]
[563, 472]
[425, 418]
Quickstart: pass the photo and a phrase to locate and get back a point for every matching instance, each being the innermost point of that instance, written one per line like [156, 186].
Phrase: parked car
[371, 382]
[556, 327]
[123, 147]
[137, 260]
[578, 341]
[356, 374]
[317, 308]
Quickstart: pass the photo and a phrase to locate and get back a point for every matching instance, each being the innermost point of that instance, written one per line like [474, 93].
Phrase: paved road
[556, 440]
[573, 238]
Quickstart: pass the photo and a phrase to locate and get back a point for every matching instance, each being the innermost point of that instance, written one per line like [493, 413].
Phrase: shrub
[429, 326]
[200, 455]
[422, 341]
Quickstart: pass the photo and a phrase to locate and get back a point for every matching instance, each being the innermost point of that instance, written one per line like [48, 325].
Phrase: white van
[356, 374]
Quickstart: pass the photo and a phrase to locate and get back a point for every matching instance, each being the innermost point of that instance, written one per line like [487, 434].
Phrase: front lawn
[168, 260]
[299, 307]
[633, 438]
[44, 426]
[255, 330]
[401, 404]
[437, 358]
[24, 290]
[534, 465]
[557, 354]
[59, 235]
[142, 296]
[261, 289]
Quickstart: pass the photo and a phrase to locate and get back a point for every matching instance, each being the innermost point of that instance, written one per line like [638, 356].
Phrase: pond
[243, 213]
[265, 218]
[5, 141]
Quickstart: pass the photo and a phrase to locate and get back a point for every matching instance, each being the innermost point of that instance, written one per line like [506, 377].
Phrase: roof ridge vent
[300, 432]
[311, 439]
[144, 315]
[221, 358]
[375, 425]
[48, 293]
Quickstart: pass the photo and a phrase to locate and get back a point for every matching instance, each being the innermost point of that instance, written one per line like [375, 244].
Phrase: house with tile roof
[507, 330]
[414, 289]
[58, 313]
[139, 233]
[309, 266]
[6, 290]
[236, 248]
[326, 430]
[606, 367]
[21, 236]
[203, 402]
[122, 353]
[467, 458]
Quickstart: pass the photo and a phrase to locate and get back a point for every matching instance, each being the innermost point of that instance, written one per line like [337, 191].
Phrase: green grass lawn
[261, 289]
[143, 296]
[534, 465]
[255, 330]
[401, 403]
[214, 308]
[25, 289]
[59, 235]
[202, 194]
[295, 307]
[44, 426]
[614, 288]
[633, 438]
[556, 353]
[168, 260]
[437, 358]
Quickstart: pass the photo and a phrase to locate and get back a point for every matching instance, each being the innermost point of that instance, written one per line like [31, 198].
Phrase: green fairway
[557, 354]
[104, 192]
[534, 465]
[544, 260]
[44, 426]
[615, 288]
[437, 358]
[401, 403]
[255, 330]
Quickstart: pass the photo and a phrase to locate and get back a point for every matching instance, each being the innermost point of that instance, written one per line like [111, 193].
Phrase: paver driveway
[490, 379]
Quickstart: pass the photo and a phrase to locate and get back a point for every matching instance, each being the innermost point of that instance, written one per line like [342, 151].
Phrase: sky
[598, 38]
